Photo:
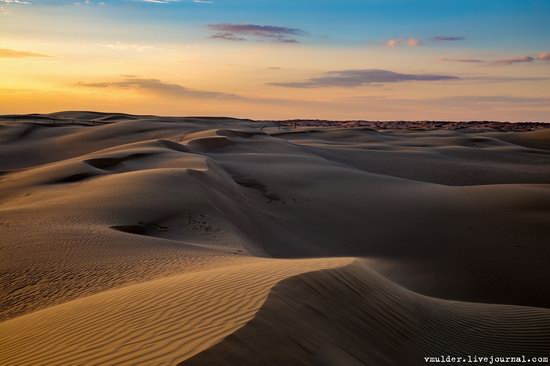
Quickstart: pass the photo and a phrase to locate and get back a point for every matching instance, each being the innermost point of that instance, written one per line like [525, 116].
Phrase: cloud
[544, 56]
[242, 32]
[413, 42]
[513, 60]
[15, 2]
[466, 60]
[499, 62]
[120, 46]
[448, 38]
[90, 3]
[355, 78]
[496, 99]
[160, 1]
[5, 52]
[158, 87]
[394, 42]
[477, 79]
[228, 36]
[464, 100]
[391, 43]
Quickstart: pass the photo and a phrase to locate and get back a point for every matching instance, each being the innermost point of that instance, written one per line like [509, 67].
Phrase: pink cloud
[392, 43]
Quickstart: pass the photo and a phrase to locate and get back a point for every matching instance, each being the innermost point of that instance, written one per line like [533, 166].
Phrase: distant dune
[144, 240]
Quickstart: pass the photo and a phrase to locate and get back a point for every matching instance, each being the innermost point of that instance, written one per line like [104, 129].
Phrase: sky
[284, 59]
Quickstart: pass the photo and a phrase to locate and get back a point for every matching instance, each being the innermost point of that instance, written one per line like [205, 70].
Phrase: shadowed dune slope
[454, 158]
[538, 139]
[475, 243]
[354, 316]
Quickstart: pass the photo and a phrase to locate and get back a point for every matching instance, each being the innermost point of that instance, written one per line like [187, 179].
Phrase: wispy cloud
[90, 3]
[120, 46]
[544, 56]
[355, 78]
[501, 61]
[158, 87]
[496, 99]
[513, 60]
[448, 38]
[22, 2]
[246, 32]
[482, 79]
[159, 1]
[412, 42]
[464, 100]
[6, 4]
[465, 60]
[8, 53]
[228, 36]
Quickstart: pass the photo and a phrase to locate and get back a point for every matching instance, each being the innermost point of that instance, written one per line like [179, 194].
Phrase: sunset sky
[369, 59]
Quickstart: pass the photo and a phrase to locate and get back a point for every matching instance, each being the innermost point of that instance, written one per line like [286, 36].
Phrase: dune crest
[373, 321]
[153, 323]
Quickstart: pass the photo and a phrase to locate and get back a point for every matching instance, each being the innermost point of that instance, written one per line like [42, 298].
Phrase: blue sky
[512, 24]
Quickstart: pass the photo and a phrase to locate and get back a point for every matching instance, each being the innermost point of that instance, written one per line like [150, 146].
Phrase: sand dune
[354, 316]
[146, 240]
[166, 320]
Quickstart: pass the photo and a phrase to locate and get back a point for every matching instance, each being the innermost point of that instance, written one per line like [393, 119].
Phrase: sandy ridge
[154, 323]
[353, 316]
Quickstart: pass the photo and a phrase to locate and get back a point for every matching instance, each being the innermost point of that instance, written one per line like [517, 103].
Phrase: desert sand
[144, 240]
